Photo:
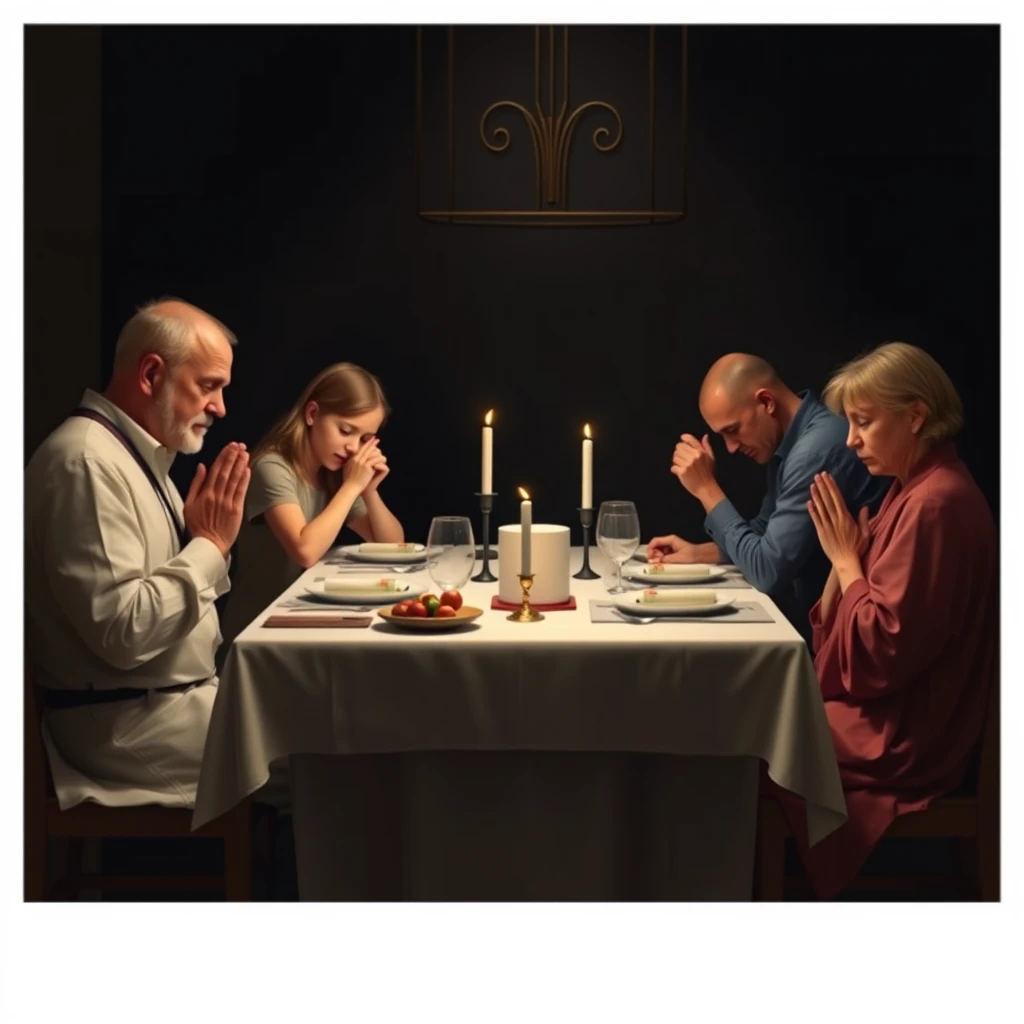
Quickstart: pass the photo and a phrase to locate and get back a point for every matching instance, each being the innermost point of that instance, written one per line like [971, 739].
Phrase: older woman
[906, 631]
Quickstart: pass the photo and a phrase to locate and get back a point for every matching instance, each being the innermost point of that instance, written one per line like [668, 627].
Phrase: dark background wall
[62, 223]
[842, 191]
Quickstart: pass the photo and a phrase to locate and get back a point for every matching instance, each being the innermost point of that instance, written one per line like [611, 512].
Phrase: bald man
[121, 575]
[794, 436]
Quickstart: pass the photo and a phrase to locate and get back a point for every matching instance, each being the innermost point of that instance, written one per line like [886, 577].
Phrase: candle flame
[523, 494]
[488, 417]
[586, 430]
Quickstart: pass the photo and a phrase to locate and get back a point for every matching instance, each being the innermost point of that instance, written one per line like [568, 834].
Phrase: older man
[794, 436]
[121, 575]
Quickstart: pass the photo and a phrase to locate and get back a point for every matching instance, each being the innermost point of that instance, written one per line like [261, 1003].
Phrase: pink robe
[905, 659]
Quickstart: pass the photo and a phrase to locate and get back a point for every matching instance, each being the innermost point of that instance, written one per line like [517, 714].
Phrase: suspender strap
[98, 417]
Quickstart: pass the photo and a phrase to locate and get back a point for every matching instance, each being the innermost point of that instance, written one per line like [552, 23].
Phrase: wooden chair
[45, 820]
[970, 816]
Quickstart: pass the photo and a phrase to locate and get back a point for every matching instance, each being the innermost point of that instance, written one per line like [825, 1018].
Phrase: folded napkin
[391, 549]
[316, 622]
[503, 606]
[675, 569]
[336, 585]
[680, 597]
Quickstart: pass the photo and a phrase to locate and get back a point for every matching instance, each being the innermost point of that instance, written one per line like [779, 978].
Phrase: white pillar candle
[525, 526]
[487, 455]
[587, 497]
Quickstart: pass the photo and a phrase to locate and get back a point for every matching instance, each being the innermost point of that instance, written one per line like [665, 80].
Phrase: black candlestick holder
[586, 521]
[486, 504]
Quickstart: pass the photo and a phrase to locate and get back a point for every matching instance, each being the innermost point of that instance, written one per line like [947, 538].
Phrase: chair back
[988, 760]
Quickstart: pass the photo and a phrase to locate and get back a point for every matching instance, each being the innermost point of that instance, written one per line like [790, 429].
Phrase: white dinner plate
[418, 554]
[374, 595]
[630, 605]
[643, 574]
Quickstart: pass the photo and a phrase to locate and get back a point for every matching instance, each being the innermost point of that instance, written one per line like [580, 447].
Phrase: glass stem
[618, 575]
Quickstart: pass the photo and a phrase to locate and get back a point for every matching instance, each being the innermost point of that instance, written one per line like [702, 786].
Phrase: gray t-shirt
[262, 567]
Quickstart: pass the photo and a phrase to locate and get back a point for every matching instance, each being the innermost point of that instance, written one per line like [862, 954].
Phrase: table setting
[490, 692]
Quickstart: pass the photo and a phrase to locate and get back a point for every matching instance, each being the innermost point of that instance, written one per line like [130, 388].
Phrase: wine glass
[451, 551]
[618, 536]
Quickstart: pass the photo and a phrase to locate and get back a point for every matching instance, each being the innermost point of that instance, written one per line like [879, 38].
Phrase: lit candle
[587, 500]
[525, 525]
[487, 455]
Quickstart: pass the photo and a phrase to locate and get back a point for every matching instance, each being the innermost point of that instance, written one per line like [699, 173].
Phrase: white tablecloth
[694, 689]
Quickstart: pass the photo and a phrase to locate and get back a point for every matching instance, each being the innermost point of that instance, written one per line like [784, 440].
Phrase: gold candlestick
[525, 613]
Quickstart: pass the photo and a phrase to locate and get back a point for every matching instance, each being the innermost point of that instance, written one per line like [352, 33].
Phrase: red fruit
[445, 612]
[401, 609]
[451, 598]
[417, 610]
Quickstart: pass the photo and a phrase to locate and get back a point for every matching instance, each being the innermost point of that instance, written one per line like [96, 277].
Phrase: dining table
[587, 756]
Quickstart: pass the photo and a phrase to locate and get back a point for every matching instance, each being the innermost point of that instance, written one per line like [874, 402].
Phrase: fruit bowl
[463, 616]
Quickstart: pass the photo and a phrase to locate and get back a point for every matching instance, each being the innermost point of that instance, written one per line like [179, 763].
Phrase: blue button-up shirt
[780, 547]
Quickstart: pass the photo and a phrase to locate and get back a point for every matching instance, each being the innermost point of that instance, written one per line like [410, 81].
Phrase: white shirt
[110, 599]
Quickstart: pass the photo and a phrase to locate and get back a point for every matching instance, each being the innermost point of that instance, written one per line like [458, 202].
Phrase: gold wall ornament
[550, 129]
[551, 133]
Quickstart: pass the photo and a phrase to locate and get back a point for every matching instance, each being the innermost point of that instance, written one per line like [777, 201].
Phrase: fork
[646, 620]
[637, 620]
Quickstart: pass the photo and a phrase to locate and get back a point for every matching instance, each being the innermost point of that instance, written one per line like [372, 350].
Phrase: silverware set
[637, 620]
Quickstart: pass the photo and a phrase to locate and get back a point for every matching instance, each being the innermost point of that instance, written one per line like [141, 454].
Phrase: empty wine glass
[451, 551]
[618, 536]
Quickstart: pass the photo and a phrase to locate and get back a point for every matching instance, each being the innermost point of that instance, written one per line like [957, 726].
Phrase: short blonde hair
[896, 375]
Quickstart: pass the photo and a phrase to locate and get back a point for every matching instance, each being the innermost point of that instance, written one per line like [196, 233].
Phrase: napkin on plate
[337, 585]
[677, 569]
[680, 597]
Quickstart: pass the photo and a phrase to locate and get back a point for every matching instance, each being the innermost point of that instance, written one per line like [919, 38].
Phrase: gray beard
[180, 436]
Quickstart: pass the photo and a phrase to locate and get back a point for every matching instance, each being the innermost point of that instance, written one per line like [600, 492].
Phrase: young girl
[317, 470]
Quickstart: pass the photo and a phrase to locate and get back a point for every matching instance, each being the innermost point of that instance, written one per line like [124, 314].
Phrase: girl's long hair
[343, 389]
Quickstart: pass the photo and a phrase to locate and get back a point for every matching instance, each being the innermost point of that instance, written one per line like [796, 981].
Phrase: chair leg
[73, 866]
[238, 858]
[965, 862]
[264, 834]
[66, 887]
[35, 859]
[771, 853]
[988, 864]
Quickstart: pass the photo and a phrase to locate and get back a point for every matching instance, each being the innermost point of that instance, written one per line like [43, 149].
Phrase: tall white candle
[487, 455]
[587, 498]
[525, 526]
